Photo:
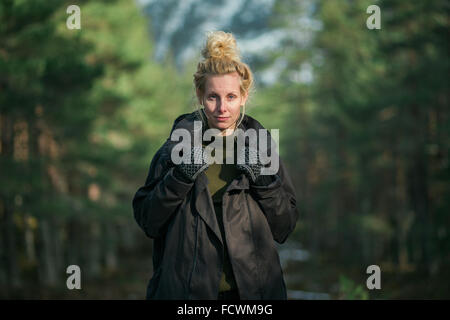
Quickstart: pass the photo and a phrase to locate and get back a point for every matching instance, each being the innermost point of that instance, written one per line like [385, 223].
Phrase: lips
[222, 119]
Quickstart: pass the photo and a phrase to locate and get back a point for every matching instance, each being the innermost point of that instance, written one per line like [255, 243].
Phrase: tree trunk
[404, 217]
[94, 259]
[9, 257]
[48, 268]
[418, 186]
[110, 251]
[29, 240]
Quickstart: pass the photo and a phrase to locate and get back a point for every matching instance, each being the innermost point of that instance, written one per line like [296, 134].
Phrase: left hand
[252, 165]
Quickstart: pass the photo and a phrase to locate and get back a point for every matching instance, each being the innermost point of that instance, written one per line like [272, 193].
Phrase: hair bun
[221, 45]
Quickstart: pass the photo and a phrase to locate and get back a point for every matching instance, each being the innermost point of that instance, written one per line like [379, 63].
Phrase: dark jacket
[188, 247]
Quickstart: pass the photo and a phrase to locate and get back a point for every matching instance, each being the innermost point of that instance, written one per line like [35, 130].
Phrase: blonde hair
[221, 56]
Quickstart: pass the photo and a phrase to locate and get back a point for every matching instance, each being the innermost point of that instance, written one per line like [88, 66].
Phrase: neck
[227, 131]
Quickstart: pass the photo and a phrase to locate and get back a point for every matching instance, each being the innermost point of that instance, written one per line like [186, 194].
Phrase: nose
[221, 107]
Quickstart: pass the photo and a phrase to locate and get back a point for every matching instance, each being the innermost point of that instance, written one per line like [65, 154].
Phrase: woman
[214, 224]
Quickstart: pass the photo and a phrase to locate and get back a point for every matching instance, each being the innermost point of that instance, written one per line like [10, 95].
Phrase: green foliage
[348, 290]
[81, 114]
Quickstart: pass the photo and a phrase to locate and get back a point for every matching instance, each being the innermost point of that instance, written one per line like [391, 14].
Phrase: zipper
[195, 256]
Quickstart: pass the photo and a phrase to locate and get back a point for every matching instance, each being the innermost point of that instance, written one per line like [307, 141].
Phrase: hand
[252, 166]
[190, 171]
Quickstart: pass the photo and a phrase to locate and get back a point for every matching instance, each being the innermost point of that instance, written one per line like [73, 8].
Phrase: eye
[231, 96]
[212, 97]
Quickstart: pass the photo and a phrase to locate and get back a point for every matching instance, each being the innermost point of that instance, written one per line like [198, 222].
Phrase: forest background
[364, 131]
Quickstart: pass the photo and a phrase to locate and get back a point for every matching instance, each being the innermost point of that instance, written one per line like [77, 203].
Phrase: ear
[244, 98]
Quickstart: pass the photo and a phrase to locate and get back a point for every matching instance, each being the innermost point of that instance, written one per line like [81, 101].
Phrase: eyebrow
[213, 92]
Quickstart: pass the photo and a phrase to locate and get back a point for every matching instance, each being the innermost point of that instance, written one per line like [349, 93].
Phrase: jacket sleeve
[278, 203]
[156, 202]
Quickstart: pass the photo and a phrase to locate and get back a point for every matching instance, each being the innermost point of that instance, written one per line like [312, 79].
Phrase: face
[222, 100]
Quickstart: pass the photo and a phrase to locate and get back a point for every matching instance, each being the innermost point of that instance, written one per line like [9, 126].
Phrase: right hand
[190, 171]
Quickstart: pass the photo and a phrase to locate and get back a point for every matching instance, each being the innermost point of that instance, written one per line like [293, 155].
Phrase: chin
[222, 125]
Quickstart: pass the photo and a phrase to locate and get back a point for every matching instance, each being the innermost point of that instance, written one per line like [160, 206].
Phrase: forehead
[223, 82]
